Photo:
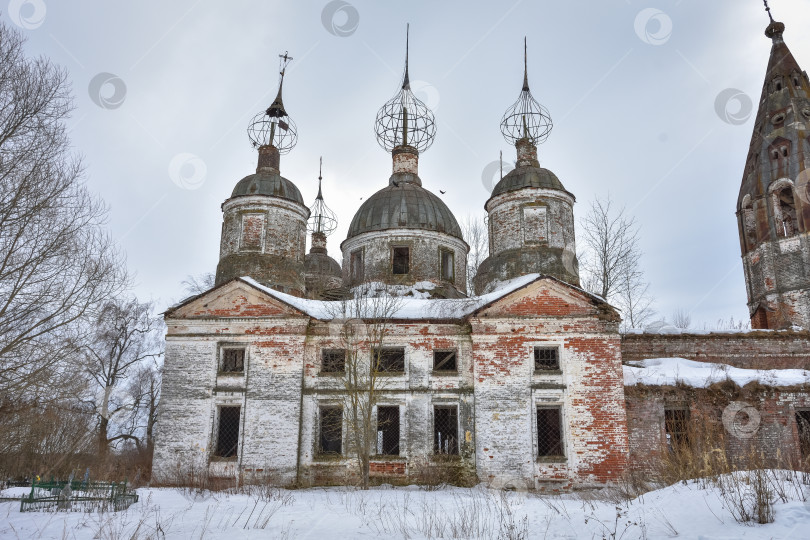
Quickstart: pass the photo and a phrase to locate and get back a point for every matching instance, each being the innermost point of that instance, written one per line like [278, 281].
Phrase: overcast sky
[164, 92]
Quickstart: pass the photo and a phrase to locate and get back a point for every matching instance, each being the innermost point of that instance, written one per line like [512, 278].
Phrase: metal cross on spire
[768, 9]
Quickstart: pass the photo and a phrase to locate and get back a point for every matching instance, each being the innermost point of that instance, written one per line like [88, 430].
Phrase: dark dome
[322, 264]
[404, 206]
[524, 177]
[268, 184]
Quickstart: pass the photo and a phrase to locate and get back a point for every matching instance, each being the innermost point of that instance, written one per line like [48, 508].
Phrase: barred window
[401, 260]
[546, 359]
[227, 432]
[233, 360]
[676, 424]
[549, 432]
[388, 431]
[445, 360]
[447, 259]
[445, 430]
[333, 360]
[388, 360]
[331, 439]
[803, 426]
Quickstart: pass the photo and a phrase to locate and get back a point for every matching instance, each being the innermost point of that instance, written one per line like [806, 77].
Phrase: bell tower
[773, 208]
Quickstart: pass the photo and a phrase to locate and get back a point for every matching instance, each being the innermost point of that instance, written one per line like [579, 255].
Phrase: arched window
[784, 211]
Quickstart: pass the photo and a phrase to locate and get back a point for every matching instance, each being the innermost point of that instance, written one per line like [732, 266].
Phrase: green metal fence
[78, 496]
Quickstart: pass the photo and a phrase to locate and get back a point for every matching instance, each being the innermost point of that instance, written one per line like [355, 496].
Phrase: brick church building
[521, 381]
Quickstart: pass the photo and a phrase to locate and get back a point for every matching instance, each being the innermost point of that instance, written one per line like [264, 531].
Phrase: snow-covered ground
[670, 371]
[693, 510]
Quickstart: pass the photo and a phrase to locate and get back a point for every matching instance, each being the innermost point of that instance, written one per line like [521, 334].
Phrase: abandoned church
[296, 367]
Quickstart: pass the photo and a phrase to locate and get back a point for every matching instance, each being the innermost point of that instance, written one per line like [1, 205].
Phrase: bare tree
[56, 261]
[611, 261]
[681, 319]
[474, 230]
[363, 323]
[125, 337]
[144, 389]
[194, 285]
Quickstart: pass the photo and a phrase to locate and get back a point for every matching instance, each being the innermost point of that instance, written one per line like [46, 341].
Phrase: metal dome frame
[321, 218]
[273, 126]
[526, 118]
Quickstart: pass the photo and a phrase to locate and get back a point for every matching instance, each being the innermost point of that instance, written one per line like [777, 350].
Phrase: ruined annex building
[518, 382]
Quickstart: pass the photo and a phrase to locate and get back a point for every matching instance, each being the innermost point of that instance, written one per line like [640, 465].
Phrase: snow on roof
[399, 307]
[669, 371]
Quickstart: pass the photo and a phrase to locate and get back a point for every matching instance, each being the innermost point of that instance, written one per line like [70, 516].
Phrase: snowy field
[694, 510]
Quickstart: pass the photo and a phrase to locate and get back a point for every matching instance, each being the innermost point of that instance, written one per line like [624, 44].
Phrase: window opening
[388, 431]
[227, 432]
[333, 360]
[356, 266]
[448, 259]
[546, 359]
[549, 432]
[676, 424]
[445, 430]
[401, 262]
[445, 361]
[331, 439]
[787, 210]
[233, 360]
[388, 360]
[803, 427]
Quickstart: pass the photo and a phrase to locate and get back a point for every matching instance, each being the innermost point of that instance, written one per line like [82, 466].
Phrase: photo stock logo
[187, 171]
[733, 106]
[27, 14]
[653, 26]
[517, 486]
[741, 419]
[340, 18]
[426, 93]
[107, 90]
[491, 174]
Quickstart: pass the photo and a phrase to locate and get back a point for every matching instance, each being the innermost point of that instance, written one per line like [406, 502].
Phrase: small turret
[322, 273]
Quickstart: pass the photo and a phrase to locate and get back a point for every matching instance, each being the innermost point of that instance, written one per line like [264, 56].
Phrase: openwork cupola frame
[322, 219]
[526, 118]
[273, 126]
[404, 120]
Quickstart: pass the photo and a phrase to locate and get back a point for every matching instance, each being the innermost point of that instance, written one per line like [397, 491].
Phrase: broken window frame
[388, 438]
[550, 435]
[226, 440]
[445, 430]
[383, 357]
[400, 260]
[676, 427]
[232, 365]
[330, 438]
[447, 264]
[333, 361]
[356, 266]
[546, 365]
[444, 357]
[802, 417]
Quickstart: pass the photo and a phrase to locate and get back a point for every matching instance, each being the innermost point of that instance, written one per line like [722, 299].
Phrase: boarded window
[445, 430]
[331, 439]
[803, 427]
[549, 432]
[388, 431]
[546, 359]
[233, 360]
[388, 360]
[252, 231]
[676, 424]
[227, 432]
[535, 224]
[401, 260]
[445, 360]
[356, 266]
[333, 360]
[447, 261]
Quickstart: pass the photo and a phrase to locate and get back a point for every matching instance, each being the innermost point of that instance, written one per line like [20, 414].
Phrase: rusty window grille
[233, 360]
[676, 425]
[388, 360]
[546, 359]
[356, 266]
[227, 432]
[333, 360]
[331, 439]
[447, 263]
[445, 361]
[549, 432]
[445, 430]
[388, 431]
[401, 260]
[803, 427]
